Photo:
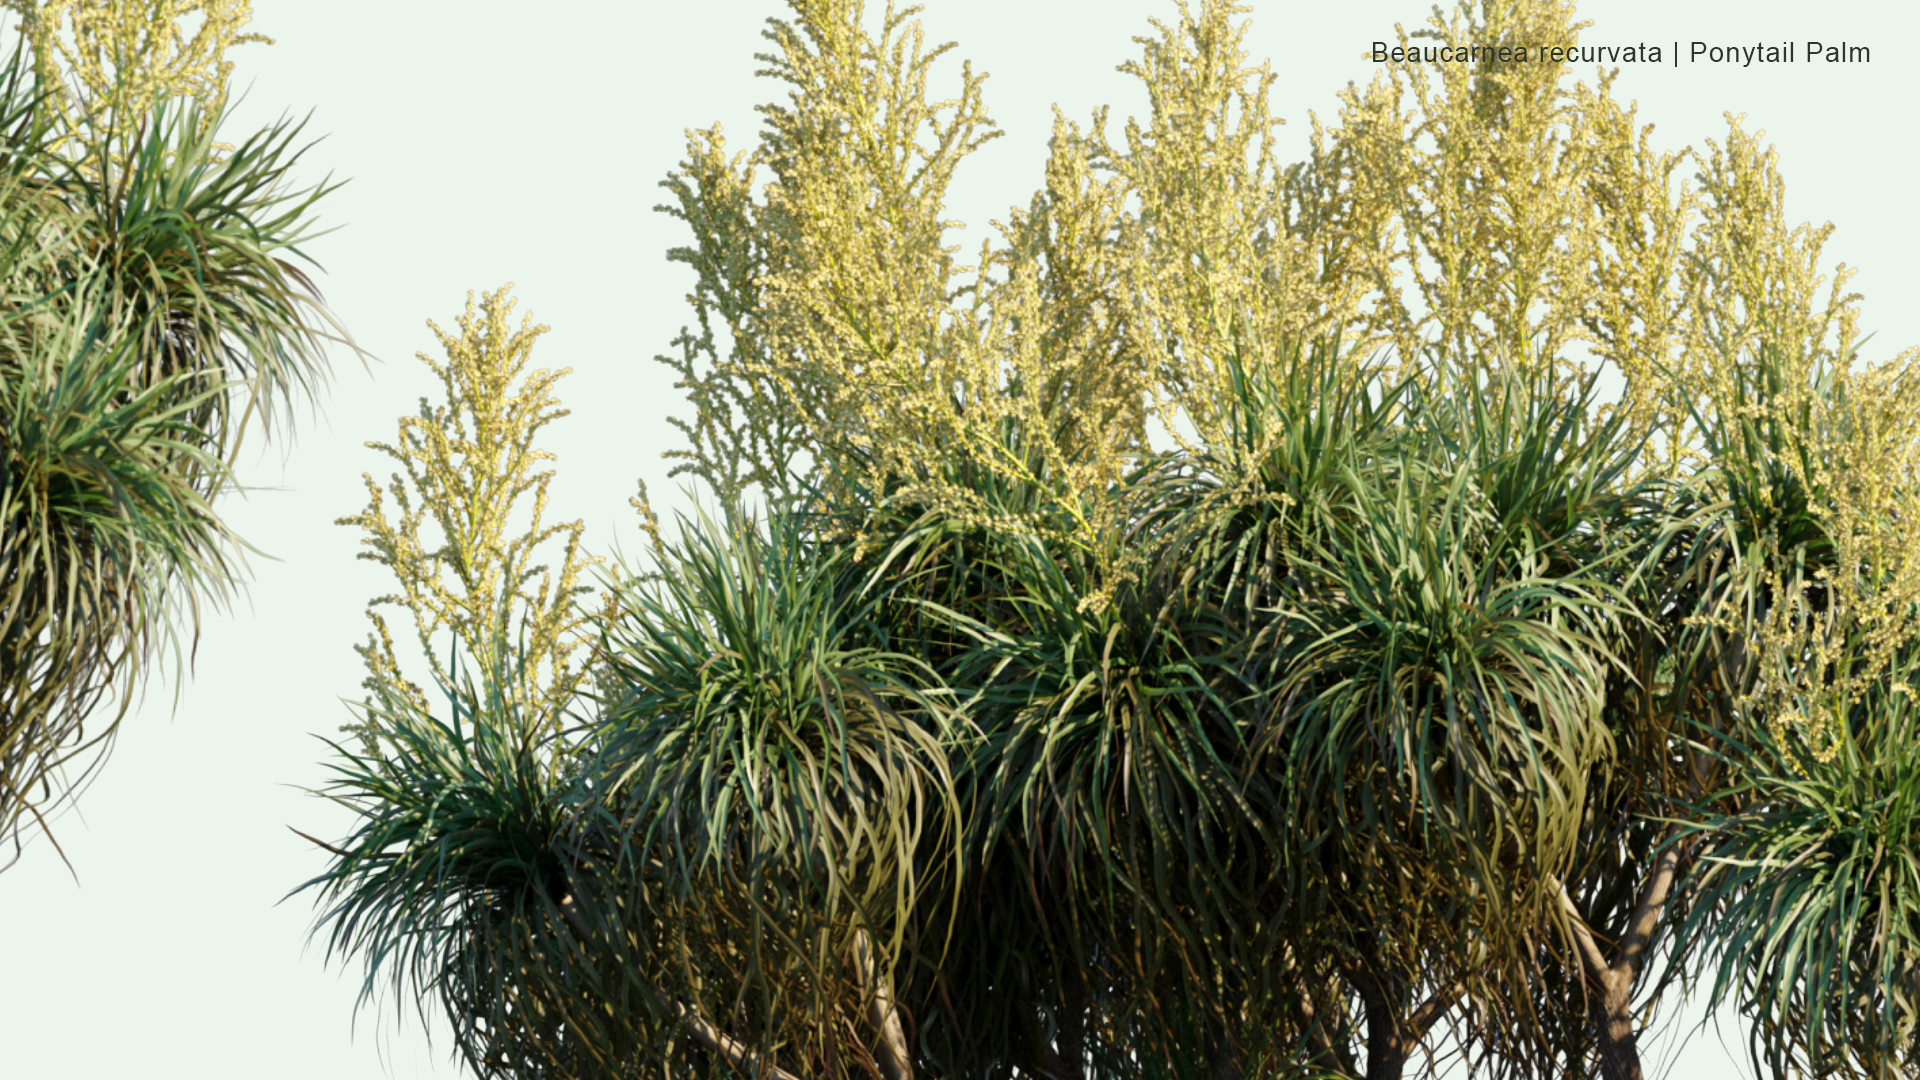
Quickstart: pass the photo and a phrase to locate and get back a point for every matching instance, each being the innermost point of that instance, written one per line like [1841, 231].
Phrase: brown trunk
[894, 1060]
[1387, 1042]
[1613, 1022]
[1386, 1047]
[1609, 988]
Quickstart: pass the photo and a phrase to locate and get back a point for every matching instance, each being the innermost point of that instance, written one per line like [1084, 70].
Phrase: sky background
[488, 143]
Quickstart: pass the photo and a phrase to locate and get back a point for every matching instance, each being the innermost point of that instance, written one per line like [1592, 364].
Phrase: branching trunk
[736, 1053]
[1609, 992]
[1393, 1031]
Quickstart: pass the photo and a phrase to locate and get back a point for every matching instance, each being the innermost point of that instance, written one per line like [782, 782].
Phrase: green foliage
[774, 774]
[1225, 635]
[449, 884]
[145, 319]
[1809, 918]
[104, 494]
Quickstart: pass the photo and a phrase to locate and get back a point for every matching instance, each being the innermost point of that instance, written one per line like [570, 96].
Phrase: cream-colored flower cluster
[111, 52]
[1835, 629]
[110, 61]
[1110, 315]
[463, 555]
[1479, 217]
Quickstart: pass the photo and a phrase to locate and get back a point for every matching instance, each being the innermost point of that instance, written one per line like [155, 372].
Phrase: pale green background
[489, 143]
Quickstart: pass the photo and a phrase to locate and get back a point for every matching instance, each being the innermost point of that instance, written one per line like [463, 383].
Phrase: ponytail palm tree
[777, 793]
[1805, 915]
[1390, 706]
[1108, 813]
[147, 311]
[104, 499]
[1808, 917]
[1427, 588]
[726, 871]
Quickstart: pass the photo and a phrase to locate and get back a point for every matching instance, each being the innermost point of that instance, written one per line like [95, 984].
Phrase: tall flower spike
[470, 467]
[110, 61]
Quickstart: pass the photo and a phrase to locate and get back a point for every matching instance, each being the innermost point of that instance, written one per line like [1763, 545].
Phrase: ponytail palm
[1396, 706]
[728, 868]
[195, 245]
[776, 792]
[1429, 596]
[451, 882]
[1456, 637]
[1809, 913]
[146, 310]
[1108, 785]
[104, 514]
[1808, 908]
